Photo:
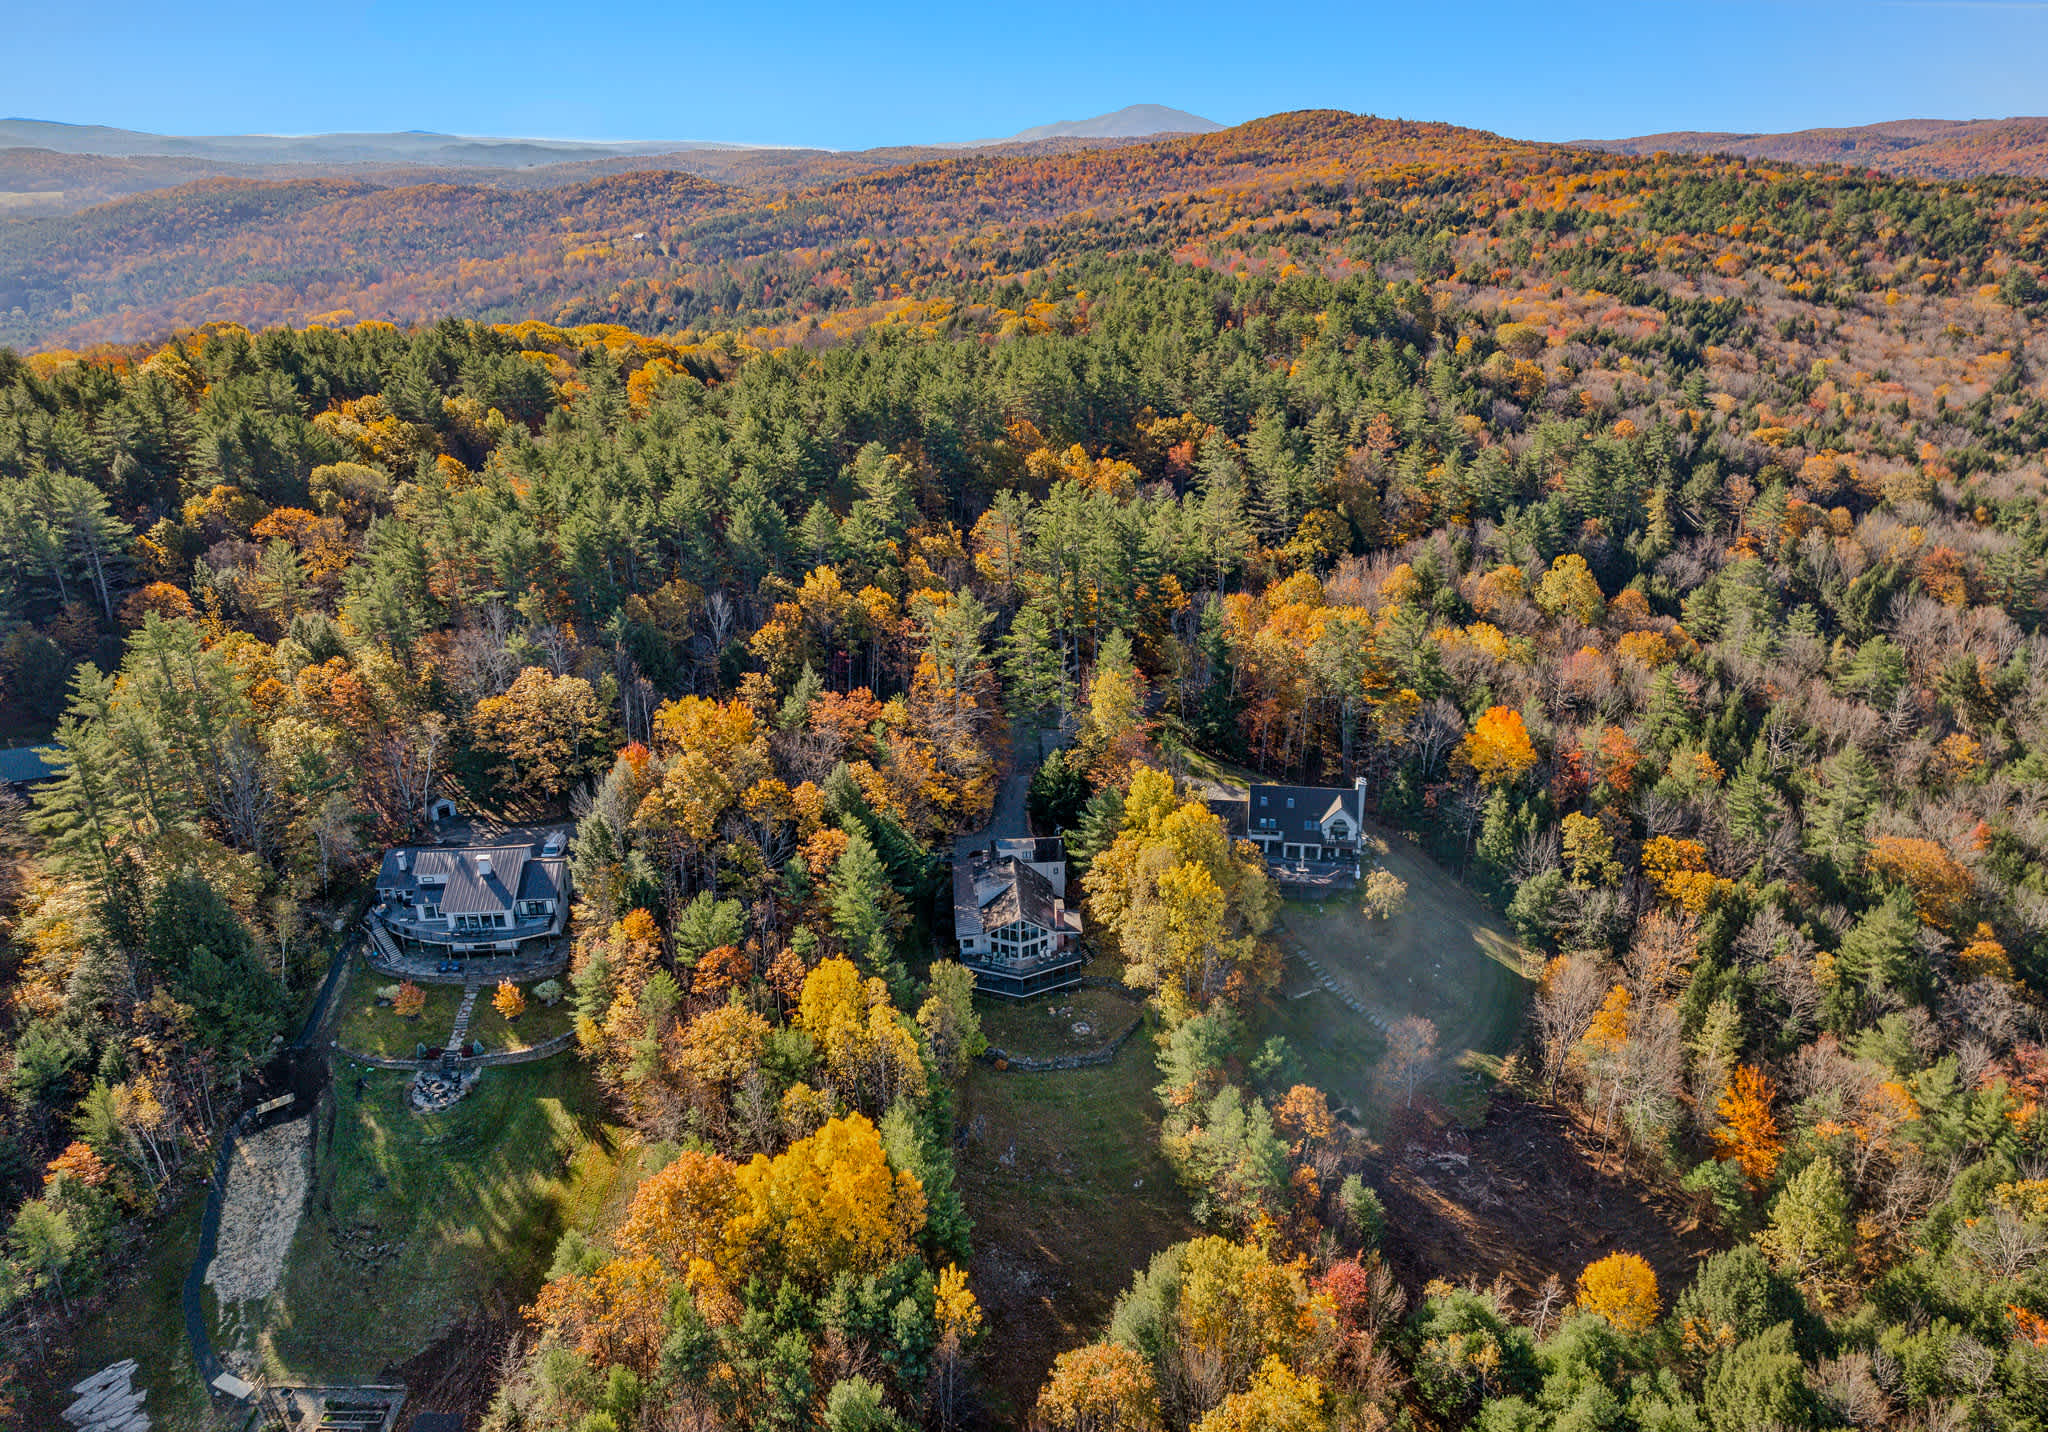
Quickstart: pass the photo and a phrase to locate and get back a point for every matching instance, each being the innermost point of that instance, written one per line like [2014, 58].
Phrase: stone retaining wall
[1034, 1064]
[546, 1049]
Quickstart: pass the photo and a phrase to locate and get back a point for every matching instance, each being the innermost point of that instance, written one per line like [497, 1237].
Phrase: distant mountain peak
[1126, 123]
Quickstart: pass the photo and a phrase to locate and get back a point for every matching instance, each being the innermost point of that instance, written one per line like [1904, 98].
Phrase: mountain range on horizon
[1922, 148]
[1919, 148]
[419, 146]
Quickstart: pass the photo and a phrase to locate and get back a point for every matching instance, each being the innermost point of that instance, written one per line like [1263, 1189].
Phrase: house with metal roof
[1314, 830]
[1013, 925]
[473, 899]
[25, 766]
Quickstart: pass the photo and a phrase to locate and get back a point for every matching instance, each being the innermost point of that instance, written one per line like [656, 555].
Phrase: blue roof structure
[26, 765]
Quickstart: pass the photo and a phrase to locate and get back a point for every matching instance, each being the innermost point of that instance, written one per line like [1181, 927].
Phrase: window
[1290, 802]
[432, 912]
[1262, 802]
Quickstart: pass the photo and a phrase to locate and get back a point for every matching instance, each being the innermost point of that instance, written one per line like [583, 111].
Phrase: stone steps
[108, 1402]
[1344, 996]
[462, 1014]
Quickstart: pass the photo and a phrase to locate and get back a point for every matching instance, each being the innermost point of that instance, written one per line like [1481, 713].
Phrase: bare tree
[1411, 1058]
[1564, 1010]
[1547, 1308]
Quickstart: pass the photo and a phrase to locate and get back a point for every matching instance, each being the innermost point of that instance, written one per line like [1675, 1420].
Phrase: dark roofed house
[479, 899]
[1014, 928]
[25, 766]
[1047, 854]
[1316, 830]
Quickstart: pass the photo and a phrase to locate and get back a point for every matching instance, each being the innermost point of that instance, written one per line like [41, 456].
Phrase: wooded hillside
[1662, 542]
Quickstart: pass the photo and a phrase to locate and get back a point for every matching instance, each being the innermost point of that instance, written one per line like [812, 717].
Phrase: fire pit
[434, 1090]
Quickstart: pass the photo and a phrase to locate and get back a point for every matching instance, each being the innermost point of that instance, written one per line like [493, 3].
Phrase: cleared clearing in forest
[259, 1214]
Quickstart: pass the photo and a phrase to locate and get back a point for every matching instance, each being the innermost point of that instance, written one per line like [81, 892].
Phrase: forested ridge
[1661, 541]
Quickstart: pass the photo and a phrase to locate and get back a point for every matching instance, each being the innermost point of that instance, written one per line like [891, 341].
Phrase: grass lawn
[1069, 1193]
[1337, 1049]
[537, 1026]
[1204, 769]
[143, 1319]
[1070, 1021]
[416, 1219]
[367, 1027]
[1446, 957]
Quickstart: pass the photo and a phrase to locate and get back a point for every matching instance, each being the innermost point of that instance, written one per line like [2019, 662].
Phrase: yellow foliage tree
[826, 1205]
[409, 1001]
[1679, 869]
[1184, 904]
[1279, 1399]
[1568, 588]
[1103, 1387]
[1589, 848]
[1237, 1306]
[509, 1001]
[868, 1052]
[1498, 748]
[1621, 1288]
[1984, 957]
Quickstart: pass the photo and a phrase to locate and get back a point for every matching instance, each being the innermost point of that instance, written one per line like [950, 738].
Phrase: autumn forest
[1658, 542]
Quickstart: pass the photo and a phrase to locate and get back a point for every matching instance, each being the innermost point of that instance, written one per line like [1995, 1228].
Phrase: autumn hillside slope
[811, 247]
[1922, 148]
[264, 251]
[223, 249]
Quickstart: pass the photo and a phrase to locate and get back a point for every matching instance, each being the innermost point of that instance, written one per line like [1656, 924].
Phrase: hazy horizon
[888, 77]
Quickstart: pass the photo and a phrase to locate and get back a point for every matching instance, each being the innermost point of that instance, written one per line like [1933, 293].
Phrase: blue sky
[849, 75]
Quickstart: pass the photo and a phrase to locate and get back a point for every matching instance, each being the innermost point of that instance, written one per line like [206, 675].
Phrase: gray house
[479, 899]
[1312, 827]
[1014, 928]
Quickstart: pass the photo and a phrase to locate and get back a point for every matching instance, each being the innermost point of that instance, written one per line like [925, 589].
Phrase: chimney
[483, 865]
[404, 860]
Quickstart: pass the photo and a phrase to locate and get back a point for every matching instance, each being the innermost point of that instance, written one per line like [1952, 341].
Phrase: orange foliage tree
[1749, 1130]
[1940, 885]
